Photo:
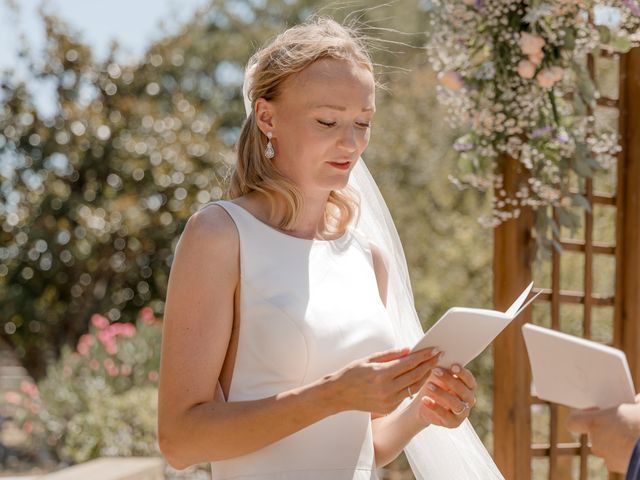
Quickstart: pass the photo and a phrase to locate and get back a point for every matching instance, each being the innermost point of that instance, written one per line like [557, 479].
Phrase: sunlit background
[118, 123]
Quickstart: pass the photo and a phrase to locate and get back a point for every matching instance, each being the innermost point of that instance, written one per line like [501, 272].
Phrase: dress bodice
[307, 308]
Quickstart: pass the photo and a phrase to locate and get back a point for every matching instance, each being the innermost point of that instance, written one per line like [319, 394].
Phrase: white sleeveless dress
[307, 308]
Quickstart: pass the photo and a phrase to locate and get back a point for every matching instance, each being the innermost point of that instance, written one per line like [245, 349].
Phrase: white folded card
[577, 372]
[463, 333]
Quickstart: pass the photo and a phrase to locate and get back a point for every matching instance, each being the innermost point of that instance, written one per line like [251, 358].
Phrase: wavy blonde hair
[289, 53]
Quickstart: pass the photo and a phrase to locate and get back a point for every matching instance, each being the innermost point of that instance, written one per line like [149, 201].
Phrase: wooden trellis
[554, 453]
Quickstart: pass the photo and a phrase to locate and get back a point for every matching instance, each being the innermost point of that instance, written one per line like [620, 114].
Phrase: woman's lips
[340, 165]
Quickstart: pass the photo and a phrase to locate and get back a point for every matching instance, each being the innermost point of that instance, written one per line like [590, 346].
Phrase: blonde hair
[289, 53]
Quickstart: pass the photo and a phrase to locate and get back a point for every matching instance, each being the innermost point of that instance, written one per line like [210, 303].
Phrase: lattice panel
[578, 295]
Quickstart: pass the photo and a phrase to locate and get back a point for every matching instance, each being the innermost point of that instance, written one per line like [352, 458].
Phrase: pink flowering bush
[98, 399]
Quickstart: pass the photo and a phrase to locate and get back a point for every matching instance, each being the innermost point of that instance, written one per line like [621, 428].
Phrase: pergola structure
[523, 451]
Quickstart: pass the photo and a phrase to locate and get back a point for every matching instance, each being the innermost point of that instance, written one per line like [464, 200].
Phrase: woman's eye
[331, 124]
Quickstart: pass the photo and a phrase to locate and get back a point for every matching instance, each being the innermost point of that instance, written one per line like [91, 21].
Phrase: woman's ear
[264, 111]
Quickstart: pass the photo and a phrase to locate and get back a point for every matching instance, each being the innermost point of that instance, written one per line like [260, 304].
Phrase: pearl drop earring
[268, 152]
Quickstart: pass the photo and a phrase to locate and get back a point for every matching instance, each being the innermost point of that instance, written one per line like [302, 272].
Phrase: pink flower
[546, 78]
[124, 329]
[557, 72]
[526, 69]
[536, 58]
[13, 397]
[94, 364]
[27, 427]
[452, 80]
[99, 321]
[84, 343]
[152, 375]
[87, 338]
[105, 336]
[530, 44]
[113, 371]
[108, 363]
[111, 347]
[147, 316]
[29, 388]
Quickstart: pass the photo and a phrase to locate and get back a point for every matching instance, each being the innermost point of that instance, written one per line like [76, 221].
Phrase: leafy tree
[93, 199]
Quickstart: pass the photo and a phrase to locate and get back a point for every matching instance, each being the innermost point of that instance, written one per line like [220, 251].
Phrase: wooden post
[512, 258]
[628, 262]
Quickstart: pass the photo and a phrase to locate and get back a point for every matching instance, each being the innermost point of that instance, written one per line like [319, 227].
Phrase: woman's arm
[392, 432]
[192, 426]
[447, 391]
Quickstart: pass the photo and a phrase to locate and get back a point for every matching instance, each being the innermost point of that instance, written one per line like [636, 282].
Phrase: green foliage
[94, 198]
[99, 399]
[114, 425]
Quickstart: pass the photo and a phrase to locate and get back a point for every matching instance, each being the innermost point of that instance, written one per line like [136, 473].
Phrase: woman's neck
[310, 222]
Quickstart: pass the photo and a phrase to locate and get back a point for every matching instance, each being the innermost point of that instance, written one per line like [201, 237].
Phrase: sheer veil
[436, 453]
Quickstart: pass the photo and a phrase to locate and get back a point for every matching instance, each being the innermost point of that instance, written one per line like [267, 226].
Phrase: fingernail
[438, 372]
[435, 351]
[455, 369]
[431, 387]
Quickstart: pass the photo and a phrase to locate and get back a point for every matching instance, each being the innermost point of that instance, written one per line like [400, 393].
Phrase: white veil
[436, 453]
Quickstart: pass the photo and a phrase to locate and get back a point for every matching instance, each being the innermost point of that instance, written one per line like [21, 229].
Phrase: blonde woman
[289, 310]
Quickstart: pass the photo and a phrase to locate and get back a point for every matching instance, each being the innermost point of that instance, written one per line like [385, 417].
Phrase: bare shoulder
[211, 223]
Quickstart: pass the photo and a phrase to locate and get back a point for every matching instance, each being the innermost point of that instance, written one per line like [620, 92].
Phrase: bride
[289, 309]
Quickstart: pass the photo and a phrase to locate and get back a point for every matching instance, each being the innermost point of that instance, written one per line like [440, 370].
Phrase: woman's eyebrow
[341, 108]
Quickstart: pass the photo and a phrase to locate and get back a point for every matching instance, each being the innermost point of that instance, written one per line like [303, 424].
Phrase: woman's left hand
[447, 397]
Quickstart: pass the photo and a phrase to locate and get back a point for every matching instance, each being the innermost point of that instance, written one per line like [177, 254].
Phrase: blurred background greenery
[93, 199]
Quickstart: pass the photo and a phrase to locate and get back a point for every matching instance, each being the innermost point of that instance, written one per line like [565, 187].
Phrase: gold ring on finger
[457, 413]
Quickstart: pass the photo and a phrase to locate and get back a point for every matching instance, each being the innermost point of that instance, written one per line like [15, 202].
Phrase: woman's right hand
[378, 383]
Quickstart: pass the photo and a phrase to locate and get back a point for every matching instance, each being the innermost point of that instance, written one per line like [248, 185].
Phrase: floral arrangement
[513, 76]
[99, 399]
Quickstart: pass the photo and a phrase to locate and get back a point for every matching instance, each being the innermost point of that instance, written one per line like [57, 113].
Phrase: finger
[453, 384]
[414, 360]
[438, 414]
[447, 400]
[465, 375]
[410, 377]
[580, 421]
[427, 411]
[420, 384]
[388, 355]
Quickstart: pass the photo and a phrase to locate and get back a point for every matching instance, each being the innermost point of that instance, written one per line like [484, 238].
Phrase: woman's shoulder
[211, 225]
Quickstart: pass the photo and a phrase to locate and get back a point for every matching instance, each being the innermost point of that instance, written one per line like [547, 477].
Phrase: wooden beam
[628, 284]
[512, 259]
[627, 294]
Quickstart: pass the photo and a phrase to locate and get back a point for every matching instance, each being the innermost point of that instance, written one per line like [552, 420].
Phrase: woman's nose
[348, 139]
